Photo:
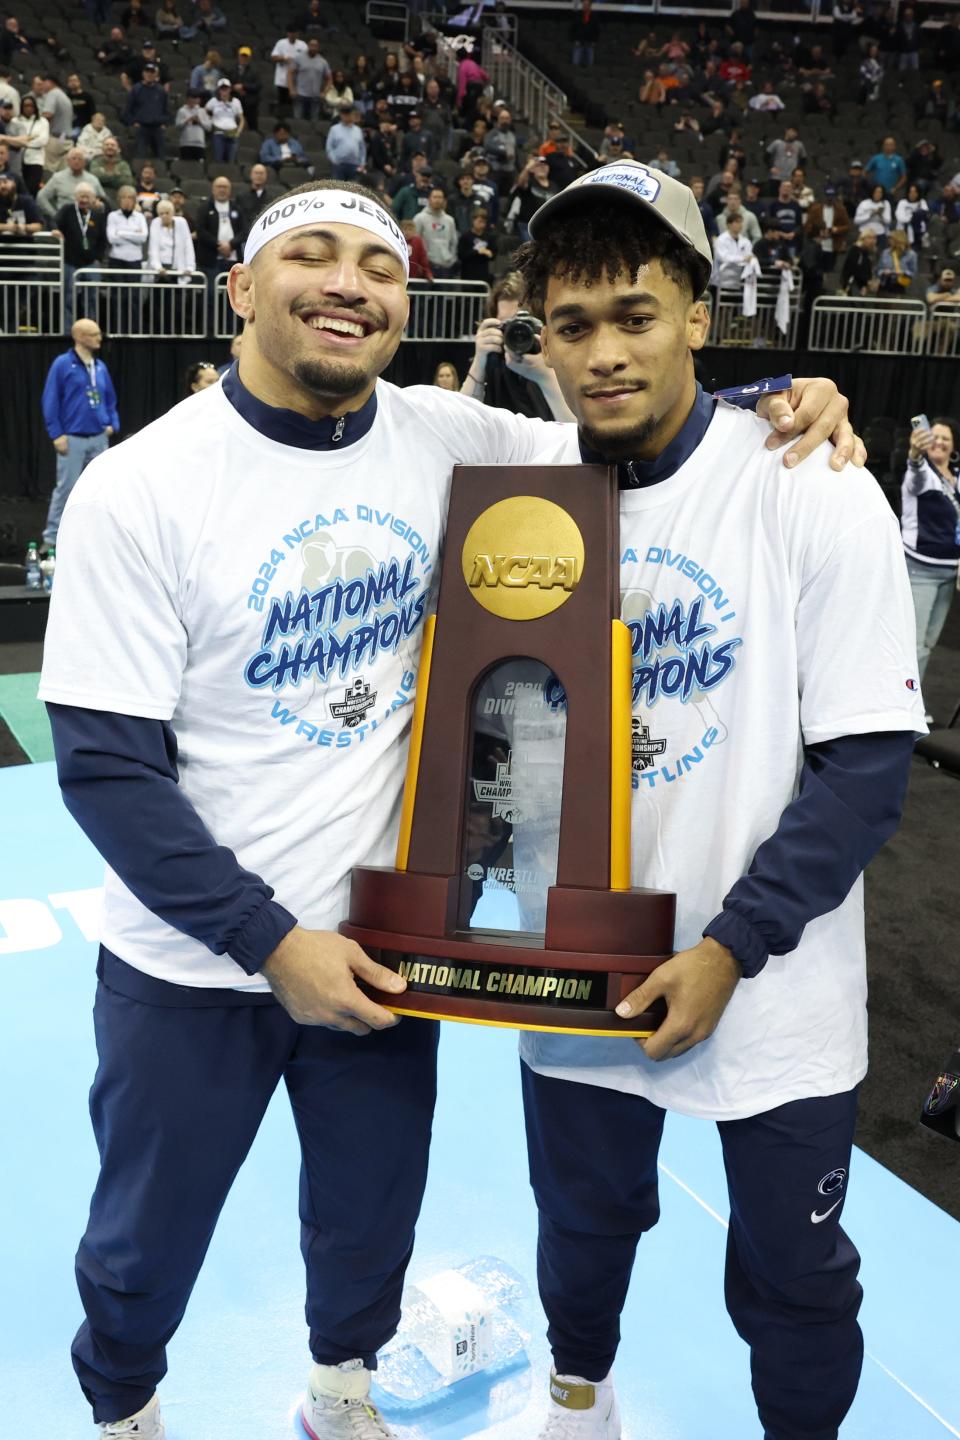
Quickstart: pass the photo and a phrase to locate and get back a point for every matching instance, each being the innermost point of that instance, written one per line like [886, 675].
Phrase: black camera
[522, 333]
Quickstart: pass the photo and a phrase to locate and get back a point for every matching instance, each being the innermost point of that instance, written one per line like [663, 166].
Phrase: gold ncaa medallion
[523, 557]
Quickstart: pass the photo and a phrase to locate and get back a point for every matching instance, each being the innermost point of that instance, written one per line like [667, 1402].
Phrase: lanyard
[83, 221]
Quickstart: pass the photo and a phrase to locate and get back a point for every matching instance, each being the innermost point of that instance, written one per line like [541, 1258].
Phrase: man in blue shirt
[887, 168]
[80, 413]
[147, 112]
[346, 147]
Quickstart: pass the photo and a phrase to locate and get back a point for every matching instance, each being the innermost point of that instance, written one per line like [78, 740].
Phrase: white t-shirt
[225, 114]
[288, 50]
[779, 601]
[179, 550]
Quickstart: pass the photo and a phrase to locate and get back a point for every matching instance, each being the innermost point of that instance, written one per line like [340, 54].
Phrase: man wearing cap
[132, 72]
[796, 787]
[247, 86]
[828, 222]
[853, 186]
[147, 112]
[346, 147]
[237, 643]
[226, 117]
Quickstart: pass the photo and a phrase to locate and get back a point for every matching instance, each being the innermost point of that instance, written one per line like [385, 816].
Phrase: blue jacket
[270, 151]
[67, 407]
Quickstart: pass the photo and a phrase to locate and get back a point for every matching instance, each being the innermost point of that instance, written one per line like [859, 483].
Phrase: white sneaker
[338, 1405]
[147, 1424]
[580, 1410]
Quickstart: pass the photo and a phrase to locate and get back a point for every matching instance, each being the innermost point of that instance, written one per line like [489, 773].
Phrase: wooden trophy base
[567, 981]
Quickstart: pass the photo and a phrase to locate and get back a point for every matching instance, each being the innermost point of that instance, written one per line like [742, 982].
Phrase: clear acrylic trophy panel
[514, 789]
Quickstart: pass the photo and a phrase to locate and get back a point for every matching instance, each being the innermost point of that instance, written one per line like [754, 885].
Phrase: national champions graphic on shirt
[682, 650]
[341, 629]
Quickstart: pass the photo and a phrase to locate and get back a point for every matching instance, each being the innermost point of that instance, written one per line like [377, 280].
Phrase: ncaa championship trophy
[510, 903]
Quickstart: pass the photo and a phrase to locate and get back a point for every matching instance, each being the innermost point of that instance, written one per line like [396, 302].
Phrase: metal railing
[440, 20]
[31, 284]
[729, 326]
[445, 309]
[870, 325]
[389, 12]
[531, 95]
[942, 334]
[143, 304]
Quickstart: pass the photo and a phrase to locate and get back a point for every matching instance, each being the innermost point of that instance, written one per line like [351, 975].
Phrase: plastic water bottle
[47, 567]
[34, 579]
[455, 1323]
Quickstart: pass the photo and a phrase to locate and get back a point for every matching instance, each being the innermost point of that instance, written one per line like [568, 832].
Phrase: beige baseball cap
[637, 186]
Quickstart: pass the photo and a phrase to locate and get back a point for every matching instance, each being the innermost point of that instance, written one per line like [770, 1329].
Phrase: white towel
[750, 274]
[782, 315]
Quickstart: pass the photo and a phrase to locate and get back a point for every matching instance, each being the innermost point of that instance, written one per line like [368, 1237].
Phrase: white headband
[338, 207]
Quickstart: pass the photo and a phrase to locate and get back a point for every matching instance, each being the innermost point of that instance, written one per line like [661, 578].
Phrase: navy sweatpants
[178, 1097]
[791, 1272]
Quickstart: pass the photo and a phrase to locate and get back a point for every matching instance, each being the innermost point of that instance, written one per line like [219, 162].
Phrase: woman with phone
[930, 526]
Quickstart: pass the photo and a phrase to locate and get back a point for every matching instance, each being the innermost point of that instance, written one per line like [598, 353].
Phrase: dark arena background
[786, 108]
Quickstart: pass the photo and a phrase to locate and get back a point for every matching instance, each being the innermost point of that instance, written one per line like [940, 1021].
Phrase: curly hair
[603, 241]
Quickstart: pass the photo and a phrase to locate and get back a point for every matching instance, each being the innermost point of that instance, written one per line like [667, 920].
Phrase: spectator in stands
[310, 78]
[310, 22]
[281, 148]
[83, 229]
[445, 376]
[662, 161]
[226, 115]
[219, 231]
[11, 161]
[206, 19]
[476, 251]
[818, 101]
[785, 155]
[749, 223]
[361, 76]
[147, 112]
[907, 39]
[194, 125]
[19, 215]
[94, 136]
[148, 193]
[731, 251]
[80, 414]
[523, 384]
[942, 330]
[386, 78]
[57, 110]
[720, 185]
[736, 70]
[471, 79]
[766, 100]
[697, 185]
[419, 260]
[110, 168]
[14, 43]
[247, 86]
[856, 277]
[403, 97]
[8, 91]
[465, 201]
[854, 186]
[532, 189]
[742, 25]
[887, 168]
[115, 52]
[417, 141]
[411, 198]
[384, 153]
[847, 19]
[564, 165]
[436, 114]
[874, 213]
[930, 526]
[437, 230]
[812, 63]
[718, 121]
[897, 266]
[346, 147]
[784, 219]
[204, 77]
[871, 76]
[34, 131]
[134, 17]
[913, 215]
[132, 72]
[62, 186]
[802, 192]
[171, 250]
[200, 375]
[828, 224]
[584, 31]
[252, 200]
[82, 102]
[168, 21]
[486, 188]
[284, 54]
[612, 141]
[924, 164]
[126, 243]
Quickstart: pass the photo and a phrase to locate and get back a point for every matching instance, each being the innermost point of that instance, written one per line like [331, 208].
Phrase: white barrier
[942, 336]
[445, 309]
[869, 325]
[729, 326]
[143, 304]
[31, 284]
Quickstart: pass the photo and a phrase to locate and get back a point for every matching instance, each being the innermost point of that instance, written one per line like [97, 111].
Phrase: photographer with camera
[508, 370]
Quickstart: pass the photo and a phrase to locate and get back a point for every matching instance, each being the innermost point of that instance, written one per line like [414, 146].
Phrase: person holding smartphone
[930, 526]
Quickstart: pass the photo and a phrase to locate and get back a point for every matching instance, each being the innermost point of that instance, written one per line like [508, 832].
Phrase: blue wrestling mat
[239, 1361]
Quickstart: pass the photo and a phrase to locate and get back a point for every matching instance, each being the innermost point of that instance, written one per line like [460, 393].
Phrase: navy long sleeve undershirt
[119, 779]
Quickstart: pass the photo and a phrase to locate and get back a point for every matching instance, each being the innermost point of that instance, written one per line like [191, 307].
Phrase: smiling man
[774, 672]
[230, 701]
